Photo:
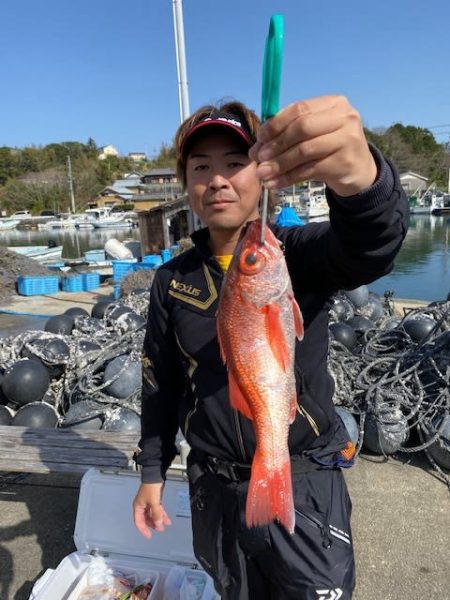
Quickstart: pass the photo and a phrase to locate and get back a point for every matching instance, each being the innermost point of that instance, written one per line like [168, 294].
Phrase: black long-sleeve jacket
[184, 380]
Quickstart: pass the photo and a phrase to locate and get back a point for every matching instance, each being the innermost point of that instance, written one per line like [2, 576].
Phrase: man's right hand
[148, 511]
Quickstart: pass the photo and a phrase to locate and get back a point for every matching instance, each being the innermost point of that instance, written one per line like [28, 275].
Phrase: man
[223, 156]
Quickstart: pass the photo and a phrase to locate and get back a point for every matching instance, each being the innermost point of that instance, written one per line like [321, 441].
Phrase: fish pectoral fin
[277, 339]
[298, 319]
[237, 398]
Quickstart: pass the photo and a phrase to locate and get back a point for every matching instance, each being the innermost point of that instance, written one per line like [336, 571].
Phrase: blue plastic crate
[73, 283]
[37, 285]
[91, 281]
[121, 268]
[155, 259]
[95, 255]
[166, 255]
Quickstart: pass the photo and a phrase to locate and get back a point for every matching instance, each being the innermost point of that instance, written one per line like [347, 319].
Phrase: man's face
[221, 181]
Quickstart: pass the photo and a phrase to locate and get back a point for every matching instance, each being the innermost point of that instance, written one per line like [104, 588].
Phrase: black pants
[267, 563]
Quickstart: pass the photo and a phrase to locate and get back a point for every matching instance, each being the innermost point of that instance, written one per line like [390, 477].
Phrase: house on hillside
[159, 186]
[162, 175]
[137, 156]
[142, 191]
[413, 183]
[105, 151]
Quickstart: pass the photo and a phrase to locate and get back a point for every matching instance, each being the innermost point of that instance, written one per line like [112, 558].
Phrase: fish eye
[251, 262]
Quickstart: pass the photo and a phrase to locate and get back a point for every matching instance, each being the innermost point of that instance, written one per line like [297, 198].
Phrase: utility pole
[183, 95]
[69, 177]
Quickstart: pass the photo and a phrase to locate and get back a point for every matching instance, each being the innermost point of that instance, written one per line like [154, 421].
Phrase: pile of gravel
[11, 266]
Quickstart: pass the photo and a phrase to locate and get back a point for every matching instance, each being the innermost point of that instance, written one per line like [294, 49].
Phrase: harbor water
[421, 271]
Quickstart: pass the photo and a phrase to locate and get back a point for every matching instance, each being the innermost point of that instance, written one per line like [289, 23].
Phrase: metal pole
[69, 176]
[181, 59]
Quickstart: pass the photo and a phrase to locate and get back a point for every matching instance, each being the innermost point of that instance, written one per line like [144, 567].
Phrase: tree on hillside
[8, 164]
[165, 158]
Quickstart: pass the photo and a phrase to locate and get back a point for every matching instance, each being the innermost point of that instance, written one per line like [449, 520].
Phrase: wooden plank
[13, 440]
[45, 433]
[31, 450]
[65, 454]
[38, 467]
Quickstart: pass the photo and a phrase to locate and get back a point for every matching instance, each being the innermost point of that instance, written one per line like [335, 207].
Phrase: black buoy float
[25, 381]
[359, 296]
[62, 324]
[6, 415]
[360, 325]
[117, 311]
[54, 352]
[76, 311]
[131, 321]
[386, 434]
[88, 346]
[127, 376]
[390, 323]
[375, 308]
[98, 310]
[85, 414]
[344, 334]
[122, 419]
[418, 328]
[36, 414]
[440, 449]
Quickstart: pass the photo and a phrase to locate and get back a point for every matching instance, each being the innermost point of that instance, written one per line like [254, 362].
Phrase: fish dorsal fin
[276, 336]
[237, 398]
[298, 319]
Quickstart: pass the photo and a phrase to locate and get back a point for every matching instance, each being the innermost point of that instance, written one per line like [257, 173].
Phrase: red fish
[257, 323]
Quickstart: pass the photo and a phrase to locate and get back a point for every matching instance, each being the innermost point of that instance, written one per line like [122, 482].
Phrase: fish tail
[269, 495]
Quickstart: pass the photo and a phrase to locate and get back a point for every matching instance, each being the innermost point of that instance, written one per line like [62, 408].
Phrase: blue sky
[106, 69]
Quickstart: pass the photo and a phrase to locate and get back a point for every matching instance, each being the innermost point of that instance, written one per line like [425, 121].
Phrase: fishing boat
[102, 218]
[440, 204]
[64, 221]
[315, 206]
[42, 254]
[8, 224]
[110, 222]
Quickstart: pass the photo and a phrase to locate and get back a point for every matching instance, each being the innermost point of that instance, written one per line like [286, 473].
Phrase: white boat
[316, 206]
[64, 222]
[101, 218]
[7, 224]
[113, 223]
[42, 254]
[21, 214]
[440, 204]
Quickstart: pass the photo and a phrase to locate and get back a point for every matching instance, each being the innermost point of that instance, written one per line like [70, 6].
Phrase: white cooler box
[104, 528]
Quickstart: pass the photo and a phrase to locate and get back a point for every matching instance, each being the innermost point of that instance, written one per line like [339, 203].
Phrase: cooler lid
[105, 518]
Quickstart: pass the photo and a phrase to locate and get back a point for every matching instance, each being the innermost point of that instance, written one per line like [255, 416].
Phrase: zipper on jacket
[309, 418]
[239, 436]
[324, 529]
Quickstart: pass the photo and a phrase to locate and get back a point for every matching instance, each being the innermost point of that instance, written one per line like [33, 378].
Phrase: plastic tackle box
[104, 528]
